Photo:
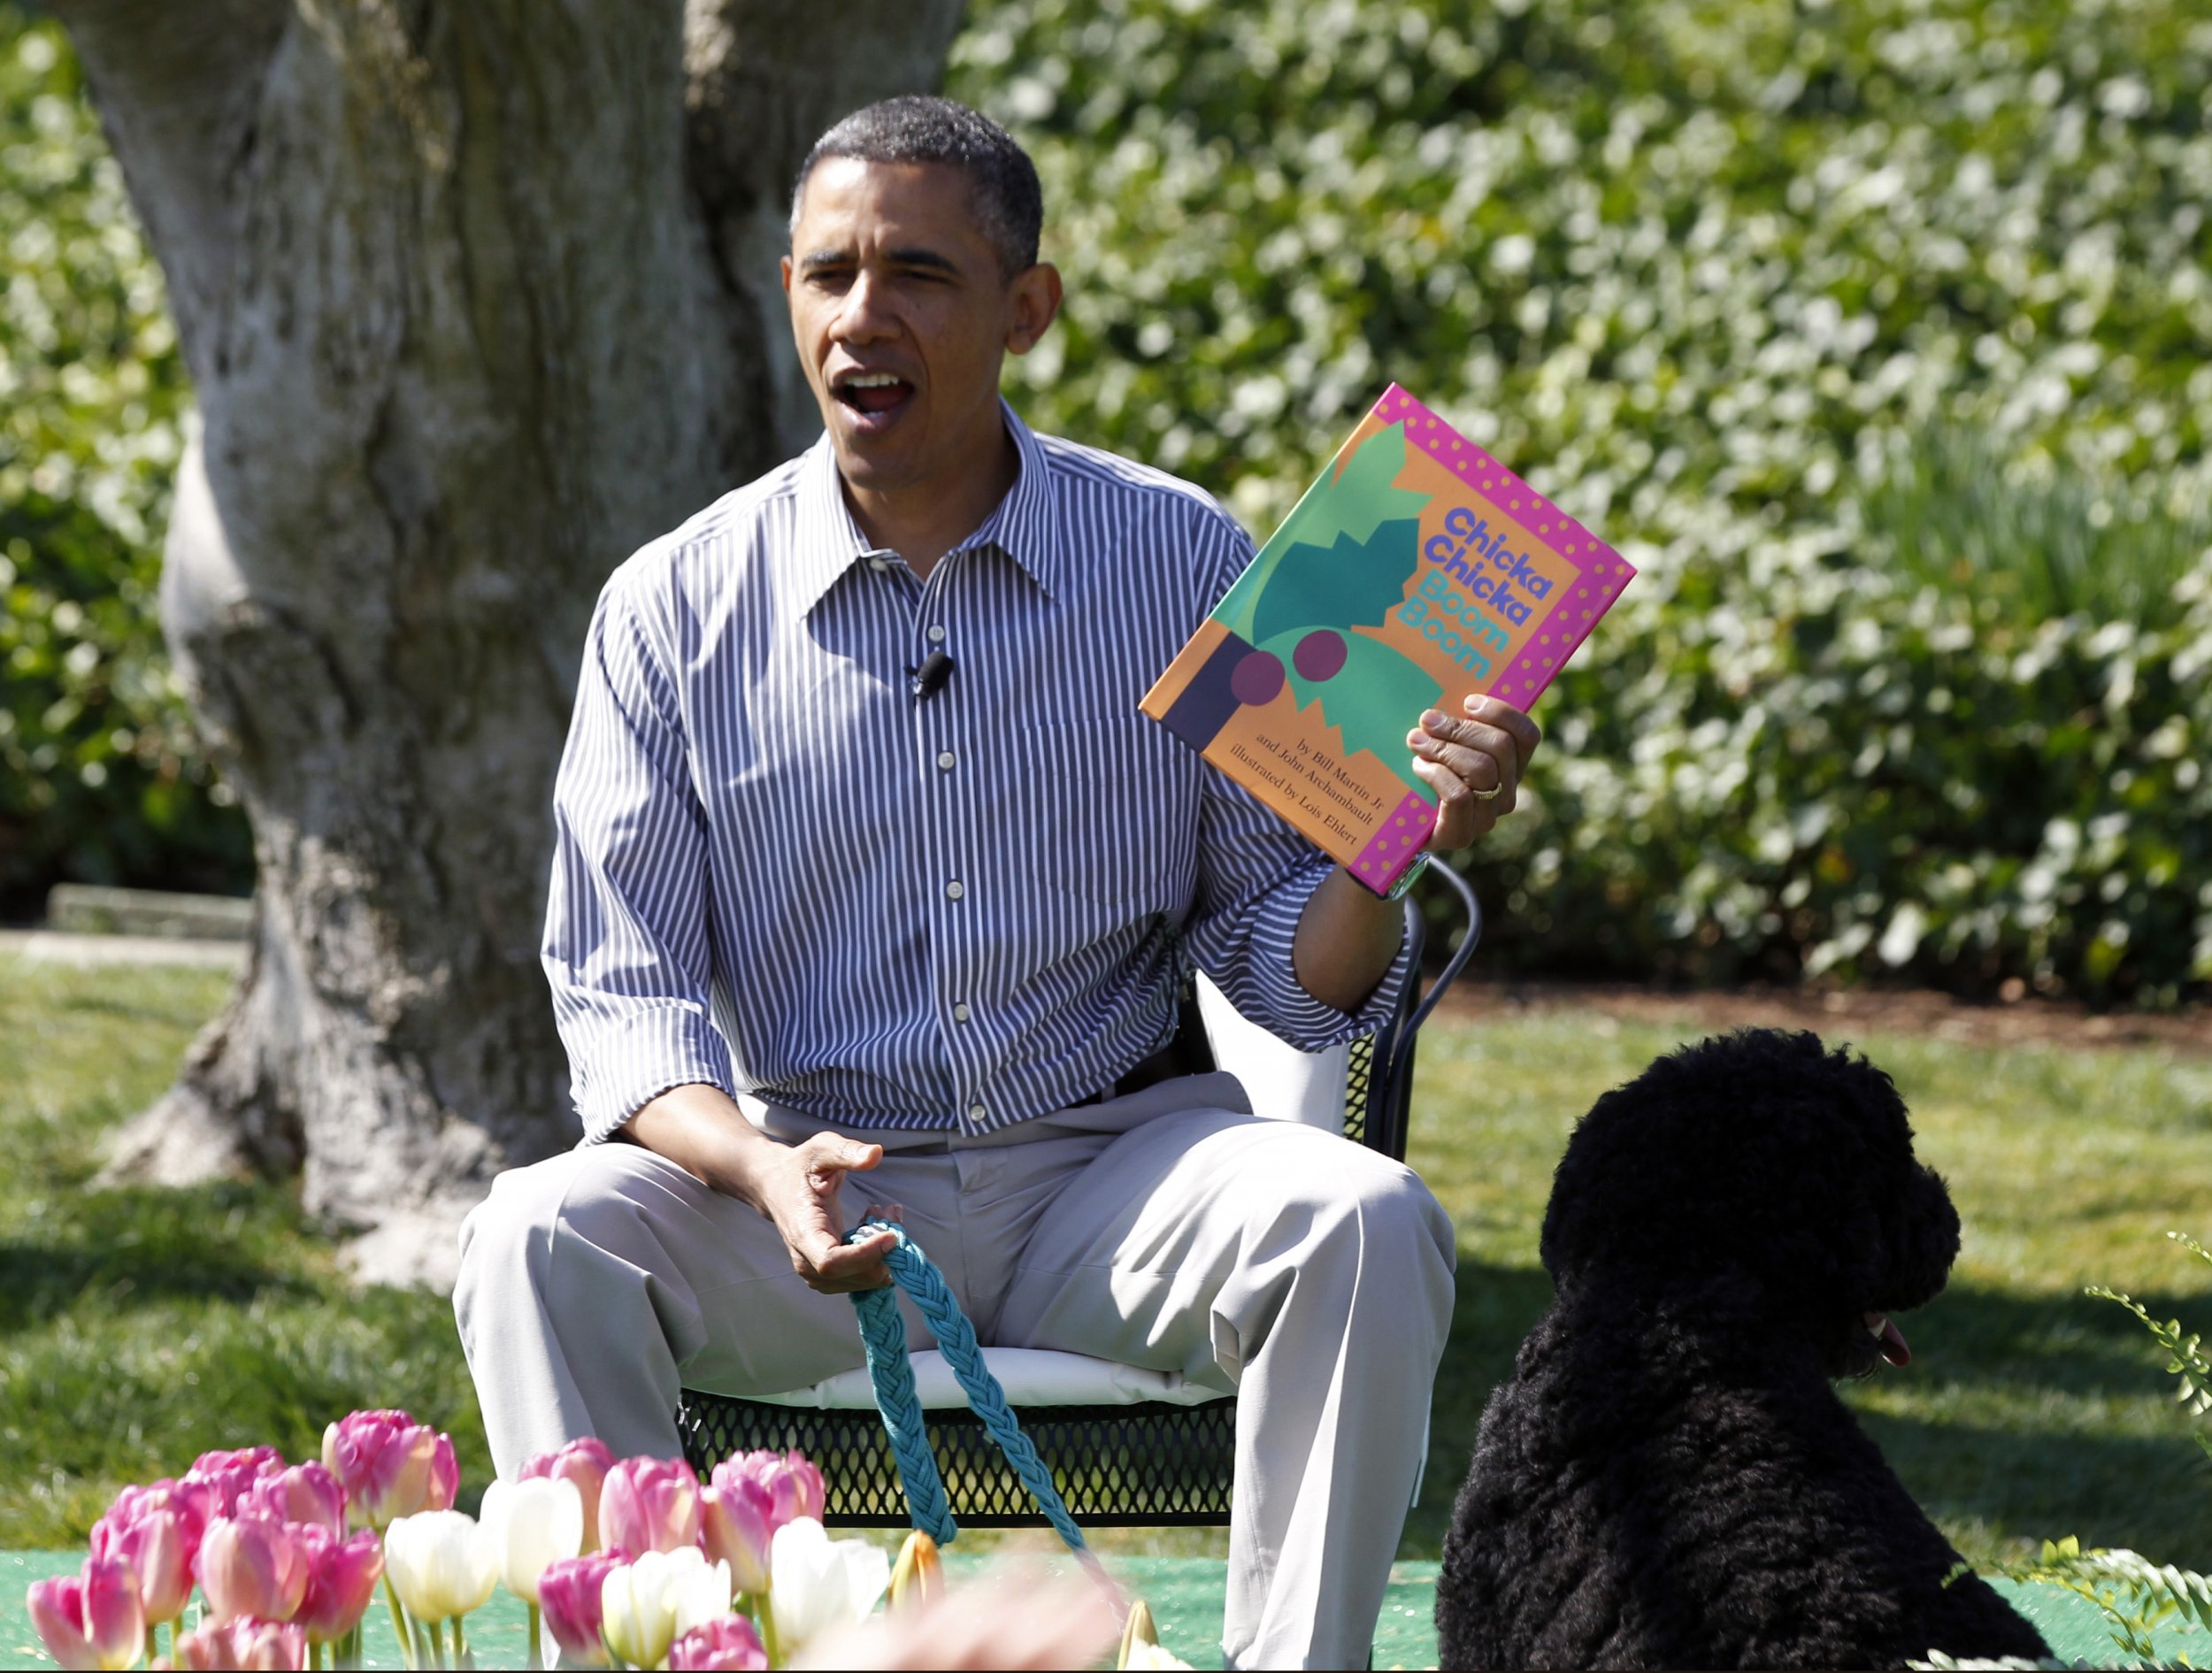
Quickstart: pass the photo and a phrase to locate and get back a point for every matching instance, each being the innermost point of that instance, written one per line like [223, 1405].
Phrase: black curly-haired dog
[1668, 1478]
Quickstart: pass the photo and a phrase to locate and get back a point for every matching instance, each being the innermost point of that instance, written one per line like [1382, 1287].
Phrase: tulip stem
[150, 1652]
[399, 1624]
[460, 1644]
[768, 1634]
[530, 1657]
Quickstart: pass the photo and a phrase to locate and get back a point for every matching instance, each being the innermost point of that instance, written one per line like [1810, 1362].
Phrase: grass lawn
[139, 1328]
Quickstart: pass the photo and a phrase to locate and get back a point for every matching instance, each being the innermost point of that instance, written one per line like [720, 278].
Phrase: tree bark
[477, 296]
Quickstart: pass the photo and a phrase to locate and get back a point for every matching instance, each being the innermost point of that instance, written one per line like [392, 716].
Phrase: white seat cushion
[1030, 1375]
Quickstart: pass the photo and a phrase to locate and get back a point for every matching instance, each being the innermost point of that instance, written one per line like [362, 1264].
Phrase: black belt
[1187, 1053]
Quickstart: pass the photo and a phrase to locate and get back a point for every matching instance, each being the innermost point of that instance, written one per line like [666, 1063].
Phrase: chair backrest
[1365, 1088]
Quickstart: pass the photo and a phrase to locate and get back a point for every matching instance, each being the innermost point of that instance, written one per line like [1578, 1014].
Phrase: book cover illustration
[1416, 572]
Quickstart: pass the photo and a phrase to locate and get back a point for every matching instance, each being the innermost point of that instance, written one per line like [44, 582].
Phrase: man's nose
[867, 314]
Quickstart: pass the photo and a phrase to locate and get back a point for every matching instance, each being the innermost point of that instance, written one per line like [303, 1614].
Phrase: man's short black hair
[1009, 204]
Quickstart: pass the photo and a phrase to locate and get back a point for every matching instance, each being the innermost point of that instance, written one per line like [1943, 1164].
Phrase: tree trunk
[477, 296]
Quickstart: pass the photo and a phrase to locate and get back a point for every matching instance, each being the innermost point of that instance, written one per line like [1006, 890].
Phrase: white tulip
[1152, 1659]
[531, 1526]
[648, 1605]
[440, 1563]
[816, 1584]
[703, 1593]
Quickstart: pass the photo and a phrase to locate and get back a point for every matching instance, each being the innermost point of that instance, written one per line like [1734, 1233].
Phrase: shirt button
[936, 635]
[960, 1013]
[976, 1112]
[953, 891]
[945, 760]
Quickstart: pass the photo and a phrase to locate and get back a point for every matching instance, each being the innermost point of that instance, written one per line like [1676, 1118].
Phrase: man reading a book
[868, 865]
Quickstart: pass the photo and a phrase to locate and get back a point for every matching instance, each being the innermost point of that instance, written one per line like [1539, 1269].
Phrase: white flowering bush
[101, 779]
[1720, 278]
[1711, 277]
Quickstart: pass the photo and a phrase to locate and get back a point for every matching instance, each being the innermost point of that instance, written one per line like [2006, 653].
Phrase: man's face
[902, 316]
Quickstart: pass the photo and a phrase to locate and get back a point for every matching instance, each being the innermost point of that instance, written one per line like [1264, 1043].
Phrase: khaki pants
[1170, 1229]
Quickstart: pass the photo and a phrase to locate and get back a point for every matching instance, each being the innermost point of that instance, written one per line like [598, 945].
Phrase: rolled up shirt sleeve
[626, 946]
[1255, 875]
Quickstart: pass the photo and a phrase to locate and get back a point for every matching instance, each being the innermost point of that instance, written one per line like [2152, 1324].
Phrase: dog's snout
[1927, 1241]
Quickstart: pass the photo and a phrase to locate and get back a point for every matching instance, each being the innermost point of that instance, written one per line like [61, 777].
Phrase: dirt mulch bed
[2056, 1021]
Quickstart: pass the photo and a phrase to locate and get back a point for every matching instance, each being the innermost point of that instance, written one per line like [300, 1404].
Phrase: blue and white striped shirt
[778, 872]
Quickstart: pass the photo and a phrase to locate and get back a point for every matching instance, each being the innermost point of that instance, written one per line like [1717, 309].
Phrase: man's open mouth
[871, 393]
[1892, 1339]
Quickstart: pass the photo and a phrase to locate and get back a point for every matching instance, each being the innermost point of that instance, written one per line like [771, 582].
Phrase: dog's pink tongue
[1892, 1339]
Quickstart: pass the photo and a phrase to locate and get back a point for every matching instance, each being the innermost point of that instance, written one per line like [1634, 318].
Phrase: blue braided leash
[884, 1334]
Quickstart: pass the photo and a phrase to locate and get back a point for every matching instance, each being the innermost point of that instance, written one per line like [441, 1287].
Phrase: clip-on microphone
[927, 681]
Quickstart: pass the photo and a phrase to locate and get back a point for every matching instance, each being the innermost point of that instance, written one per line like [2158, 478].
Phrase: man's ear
[786, 265]
[1035, 293]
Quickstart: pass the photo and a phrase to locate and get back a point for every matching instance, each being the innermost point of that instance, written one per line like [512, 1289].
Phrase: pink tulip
[306, 1493]
[736, 1522]
[793, 1485]
[252, 1566]
[251, 1644]
[586, 1463]
[157, 1531]
[728, 1645]
[390, 1466]
[752, 1495]
[649, 1504]
[568, 1593]
[192, 1502]
[229, 1474]
[341, 1576]
[445, 1476]
[93, 1620]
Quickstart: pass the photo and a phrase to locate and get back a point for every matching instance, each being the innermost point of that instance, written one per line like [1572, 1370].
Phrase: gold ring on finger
[1484, 795]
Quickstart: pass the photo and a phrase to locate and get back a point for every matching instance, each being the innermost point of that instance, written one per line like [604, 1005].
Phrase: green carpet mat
[1185, 1593]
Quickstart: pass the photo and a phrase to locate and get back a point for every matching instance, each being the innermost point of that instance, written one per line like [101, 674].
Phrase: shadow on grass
[2144, 1493]
[119, 1249]
[2045, 1356]
[2070, 1342]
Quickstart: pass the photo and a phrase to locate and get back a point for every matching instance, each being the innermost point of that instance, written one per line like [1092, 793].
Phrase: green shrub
[1950, 512]
[1801, 764]
[2138, 1596]
[100, 779]
[1708, 275]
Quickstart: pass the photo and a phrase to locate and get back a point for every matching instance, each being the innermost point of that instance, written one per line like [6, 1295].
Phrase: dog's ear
[1758, 1152]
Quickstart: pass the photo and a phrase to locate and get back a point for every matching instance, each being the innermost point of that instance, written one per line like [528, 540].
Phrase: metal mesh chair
[1117, 1462]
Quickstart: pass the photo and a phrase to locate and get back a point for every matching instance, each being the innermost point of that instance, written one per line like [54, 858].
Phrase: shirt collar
[829, 542]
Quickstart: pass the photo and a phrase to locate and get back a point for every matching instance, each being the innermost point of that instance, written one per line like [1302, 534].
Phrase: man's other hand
[702, 1130]
[1474, 766]
[797, 1189]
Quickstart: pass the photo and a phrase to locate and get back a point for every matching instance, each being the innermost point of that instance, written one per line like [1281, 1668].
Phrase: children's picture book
[1416, 572]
